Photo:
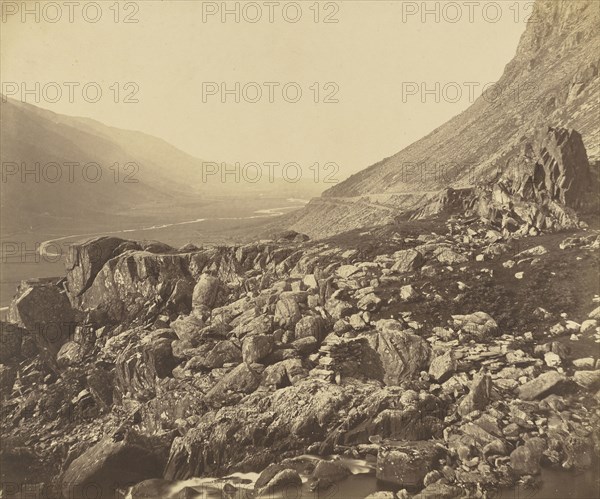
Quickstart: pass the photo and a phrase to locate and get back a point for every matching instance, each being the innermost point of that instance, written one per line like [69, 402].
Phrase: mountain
[152, 178]
[43, 144]
[551, 82]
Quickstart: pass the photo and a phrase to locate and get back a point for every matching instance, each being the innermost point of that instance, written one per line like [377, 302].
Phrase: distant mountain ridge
[552, 81]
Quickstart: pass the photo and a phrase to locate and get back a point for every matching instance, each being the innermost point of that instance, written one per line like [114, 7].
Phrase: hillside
[552, 81]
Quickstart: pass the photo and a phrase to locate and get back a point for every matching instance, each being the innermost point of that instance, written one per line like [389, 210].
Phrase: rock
[255, 348]
[8, 376]
[479, 323]
[284, 373]
[306, 345]
[585, 362]
[141, 363]
[403, 354]
[370, 302]
[480, 392]
[327, 473]
[563, 170]
[208, 293]
[588, 326]
[443, 366]
[407, 261]
[311, 326]
[535, 251]
[224, 352]
[381, 495]
[275, 478]
[229, 389]
[84, 261]
[187, 327]
[338, 309]
[152, 488]
[11, 337]
[408, 293]
[70, 354]
[552, 359]
[543, 385]
[590, 380]
[439, 490]
[525, 460]
[595, 314]
[109, 465]
[448, 256]
[406, 464]
[43, 309]
[287, 311]
[346, 271]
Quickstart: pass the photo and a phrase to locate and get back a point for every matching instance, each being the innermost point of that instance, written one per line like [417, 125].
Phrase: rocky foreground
[459, 353]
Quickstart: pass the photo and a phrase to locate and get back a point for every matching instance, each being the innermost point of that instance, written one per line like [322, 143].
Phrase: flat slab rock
[542, 385]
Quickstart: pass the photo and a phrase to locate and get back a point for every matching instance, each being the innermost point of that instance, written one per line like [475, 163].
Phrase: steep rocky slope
[551, 82]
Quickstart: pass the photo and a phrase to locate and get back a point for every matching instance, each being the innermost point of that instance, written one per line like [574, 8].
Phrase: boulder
[42, 307]
[257, 347]
[275, 478]
[208, 293]
[480, 393]
[231, 387]
[590, 380]
[525, 459]
[541, 386]
[479, 323]
[403, 354]
[311, 326]
[223, 352]
[443, 366]
[141, 363]
[406, 464]
[407, 261]
[85, 260]
[109, 465]
[11, 337]
[70, 354]
[287, 311]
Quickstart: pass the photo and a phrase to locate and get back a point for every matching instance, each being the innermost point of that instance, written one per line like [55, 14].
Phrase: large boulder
[42, 307]
[85, 260]
[110, 465]
[209, 292]
[403, 354]
[563, 170]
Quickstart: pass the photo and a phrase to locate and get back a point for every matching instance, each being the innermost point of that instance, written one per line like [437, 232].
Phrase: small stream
[553, 484]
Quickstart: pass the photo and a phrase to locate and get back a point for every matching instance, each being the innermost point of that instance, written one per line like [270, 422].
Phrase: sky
[340, 82]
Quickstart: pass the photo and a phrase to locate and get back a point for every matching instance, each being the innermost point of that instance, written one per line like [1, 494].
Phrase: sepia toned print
[299, 249]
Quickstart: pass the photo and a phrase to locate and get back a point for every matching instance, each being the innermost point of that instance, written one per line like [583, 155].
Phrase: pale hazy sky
[369, 55]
